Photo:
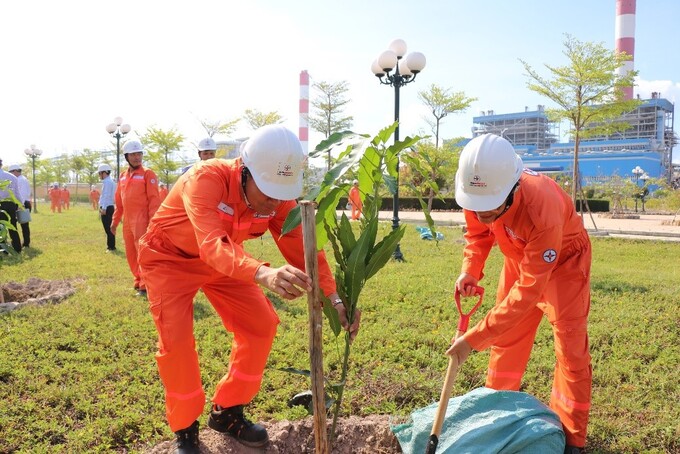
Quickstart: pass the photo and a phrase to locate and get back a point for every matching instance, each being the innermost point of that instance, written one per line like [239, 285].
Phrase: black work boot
[573, 450]
[187, 440]
[231, 421]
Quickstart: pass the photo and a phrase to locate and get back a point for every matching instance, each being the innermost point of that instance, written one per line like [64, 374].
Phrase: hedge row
[449, 204]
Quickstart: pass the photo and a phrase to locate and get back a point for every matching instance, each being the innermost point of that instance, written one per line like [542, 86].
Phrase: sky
[70, 67]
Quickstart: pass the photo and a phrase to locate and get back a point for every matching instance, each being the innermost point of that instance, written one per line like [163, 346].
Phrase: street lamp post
[33, 153]
[637, 173]
[406, 68]
[118, 130]
[644, 192]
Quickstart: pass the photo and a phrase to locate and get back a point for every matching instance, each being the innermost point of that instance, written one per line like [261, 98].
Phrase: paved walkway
[648, 226]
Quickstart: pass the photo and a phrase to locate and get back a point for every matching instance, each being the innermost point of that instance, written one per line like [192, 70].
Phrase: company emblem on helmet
[276, 161]
[132, 146]
[104, 168]
[207, 144]
[488, 170]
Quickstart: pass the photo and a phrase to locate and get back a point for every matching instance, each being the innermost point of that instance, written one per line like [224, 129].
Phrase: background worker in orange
[546, 272]
[55, 198]
[355, 200]
[94, 197]
[136, 202]
[163, 191]
[195, 242]
[65, 197]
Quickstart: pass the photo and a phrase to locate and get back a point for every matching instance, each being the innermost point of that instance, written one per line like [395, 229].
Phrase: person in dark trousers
[8, 197]
[24, 197]
[107, 205]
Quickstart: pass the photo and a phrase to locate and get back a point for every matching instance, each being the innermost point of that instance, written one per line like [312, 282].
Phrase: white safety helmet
[275, 159]
[104, 168]
[487, 171]
[207, 144]
[133, 146]
[14, 167]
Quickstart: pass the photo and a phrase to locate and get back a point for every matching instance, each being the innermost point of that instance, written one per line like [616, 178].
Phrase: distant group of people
[60, 197]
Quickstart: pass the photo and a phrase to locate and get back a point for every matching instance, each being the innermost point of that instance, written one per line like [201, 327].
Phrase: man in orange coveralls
[55, 198]
[137, 200]
[355, 200]
[546, 272]
[194, 242]
[65, 197]
[94, 197]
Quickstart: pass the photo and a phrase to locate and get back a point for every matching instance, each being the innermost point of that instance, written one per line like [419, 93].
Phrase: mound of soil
[355, 435]
[34, 291]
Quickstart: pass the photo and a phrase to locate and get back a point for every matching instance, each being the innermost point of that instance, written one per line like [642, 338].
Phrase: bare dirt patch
[34, 291]
[356, 435]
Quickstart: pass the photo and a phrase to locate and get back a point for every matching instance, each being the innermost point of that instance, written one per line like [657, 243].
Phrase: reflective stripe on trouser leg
[131, 254]
[247, 313]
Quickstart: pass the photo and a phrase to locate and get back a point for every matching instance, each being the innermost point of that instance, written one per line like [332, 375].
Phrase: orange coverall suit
[355, 201]
[55, 199]
[94, 199]
[136, 202]
[163, 193]
[66, 198]
[195, 242]
[546, 271]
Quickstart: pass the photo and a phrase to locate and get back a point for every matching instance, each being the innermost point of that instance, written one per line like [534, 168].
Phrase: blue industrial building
[647, 144]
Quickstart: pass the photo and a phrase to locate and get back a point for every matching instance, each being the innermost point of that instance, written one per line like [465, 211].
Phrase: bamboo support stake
[315, 324]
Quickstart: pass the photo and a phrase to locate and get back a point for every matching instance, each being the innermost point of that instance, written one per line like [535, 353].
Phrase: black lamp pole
[33, 153]
[405, 71]
[118, 130]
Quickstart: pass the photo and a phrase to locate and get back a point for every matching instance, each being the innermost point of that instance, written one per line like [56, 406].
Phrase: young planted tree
[91, 160]
[431, 169]
[327, 117]
[588, 92]
[163, 144]
[257, 119]
[441, 102]
[78, 167]
[358, 257]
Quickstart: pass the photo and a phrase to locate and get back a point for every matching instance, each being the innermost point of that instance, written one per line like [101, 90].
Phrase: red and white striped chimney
[304, 111]
[624, 37]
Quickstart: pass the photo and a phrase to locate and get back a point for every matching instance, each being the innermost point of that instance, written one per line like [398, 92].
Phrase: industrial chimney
[624, 36]
[304, 111]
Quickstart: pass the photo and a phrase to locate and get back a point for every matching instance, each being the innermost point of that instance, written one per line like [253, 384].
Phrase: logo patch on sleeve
[549, 255]
[224, 208]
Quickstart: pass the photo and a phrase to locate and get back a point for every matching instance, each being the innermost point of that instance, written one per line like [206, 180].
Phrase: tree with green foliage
[91, 160]
[588, 92]
[442, 102]
[162, 145]
[78, 167]
[432, 169]
[219, 127]
[329, 105]
[257, 119]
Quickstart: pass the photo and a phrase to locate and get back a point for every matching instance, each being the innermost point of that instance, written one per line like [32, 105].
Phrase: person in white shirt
[9, 206]
[24, 197]
[107, 204]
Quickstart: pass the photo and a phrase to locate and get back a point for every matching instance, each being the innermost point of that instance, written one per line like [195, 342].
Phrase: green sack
[486, 421]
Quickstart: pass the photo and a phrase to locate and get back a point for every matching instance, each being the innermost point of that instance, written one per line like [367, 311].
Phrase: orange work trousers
[566, 304]
[132, 233]
[172, 282]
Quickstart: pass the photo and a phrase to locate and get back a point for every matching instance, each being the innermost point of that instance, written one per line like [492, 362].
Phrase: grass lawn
[80, 375]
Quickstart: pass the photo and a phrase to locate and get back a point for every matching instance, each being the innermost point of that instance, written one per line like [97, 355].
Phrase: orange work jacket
[205, 215]
[540, 223]
[137, 198]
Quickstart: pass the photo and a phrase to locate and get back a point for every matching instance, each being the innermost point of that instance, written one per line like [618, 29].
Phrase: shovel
[451, 372]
